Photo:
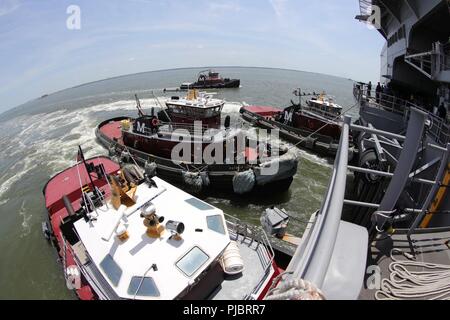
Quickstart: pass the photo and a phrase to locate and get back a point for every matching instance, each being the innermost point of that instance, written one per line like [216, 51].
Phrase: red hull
[299, 121]
[263, 111]
[212, 122]
[302, 121]
[159, 147]
[66, 183]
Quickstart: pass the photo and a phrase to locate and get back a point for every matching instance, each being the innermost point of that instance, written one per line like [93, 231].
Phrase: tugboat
[196, 105]
[121, 234]
[209, 79]
[315, 126]
[196, 152]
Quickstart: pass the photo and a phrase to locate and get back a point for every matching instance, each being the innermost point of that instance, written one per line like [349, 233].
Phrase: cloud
[8, 7]
[279, 6]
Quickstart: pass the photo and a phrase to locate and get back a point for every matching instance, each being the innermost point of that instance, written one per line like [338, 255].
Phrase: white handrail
[311, 260]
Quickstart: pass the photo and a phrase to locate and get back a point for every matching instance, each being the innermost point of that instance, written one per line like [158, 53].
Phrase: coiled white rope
[415, 280]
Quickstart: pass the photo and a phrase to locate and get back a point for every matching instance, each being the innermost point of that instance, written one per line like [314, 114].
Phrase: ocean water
[40, 138]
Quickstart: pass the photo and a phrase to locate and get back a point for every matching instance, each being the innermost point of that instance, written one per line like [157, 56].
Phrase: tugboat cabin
[195, 107]
[324, 106]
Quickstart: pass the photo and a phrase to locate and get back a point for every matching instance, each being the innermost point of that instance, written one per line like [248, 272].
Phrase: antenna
[138, 106]
[81, 158]
[298, 92]
[162, 107]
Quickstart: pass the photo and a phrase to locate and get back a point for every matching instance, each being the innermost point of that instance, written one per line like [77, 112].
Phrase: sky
[39, 54]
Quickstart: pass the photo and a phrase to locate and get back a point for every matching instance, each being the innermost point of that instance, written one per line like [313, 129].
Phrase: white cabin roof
[210, 103]
[204, 100]
[326, 102]
[139, 252]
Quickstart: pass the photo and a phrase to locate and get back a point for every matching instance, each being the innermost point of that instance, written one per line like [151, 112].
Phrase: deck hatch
[215, 223]
[192, 261]
[199, 204]
[147, 288]
[112, 269]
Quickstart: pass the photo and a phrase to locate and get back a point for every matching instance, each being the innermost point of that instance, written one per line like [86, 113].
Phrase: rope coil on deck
[415, 280]
[295, 289]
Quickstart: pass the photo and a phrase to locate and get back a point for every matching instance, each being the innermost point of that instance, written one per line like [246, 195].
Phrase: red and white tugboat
[196, 106]
[316, 125]
[209, 79]
[196, 151]
[121, 234]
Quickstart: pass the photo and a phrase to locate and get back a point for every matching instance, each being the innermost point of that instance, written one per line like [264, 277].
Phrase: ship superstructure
[415, 59]
[388, 211]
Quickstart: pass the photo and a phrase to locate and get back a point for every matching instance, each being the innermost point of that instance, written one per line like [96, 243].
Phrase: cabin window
[112, 269]
[199, 204]
[145, 287]
[215, 223]
[192, 261]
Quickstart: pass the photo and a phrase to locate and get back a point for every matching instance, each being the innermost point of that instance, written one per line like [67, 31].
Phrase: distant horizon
[162, 70]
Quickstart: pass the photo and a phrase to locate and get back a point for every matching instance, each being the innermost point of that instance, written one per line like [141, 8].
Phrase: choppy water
[40, 138]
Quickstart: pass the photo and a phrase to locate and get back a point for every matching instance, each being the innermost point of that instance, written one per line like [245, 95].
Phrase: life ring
[155, 122]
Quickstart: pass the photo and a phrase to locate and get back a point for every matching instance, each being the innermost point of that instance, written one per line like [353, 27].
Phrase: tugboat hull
[62, 197]
[234, 83]
[302, 131]
[215, 177]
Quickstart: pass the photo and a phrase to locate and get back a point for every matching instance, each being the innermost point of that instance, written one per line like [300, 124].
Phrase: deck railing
[257, 234]
[438, 127]
[431, 63]
[327, 115]
[170, 127]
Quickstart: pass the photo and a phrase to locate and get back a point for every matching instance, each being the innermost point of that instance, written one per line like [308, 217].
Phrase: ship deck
[236, 287]
[193, 259]
[429, 247]
[112, 130]
[178, 261]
